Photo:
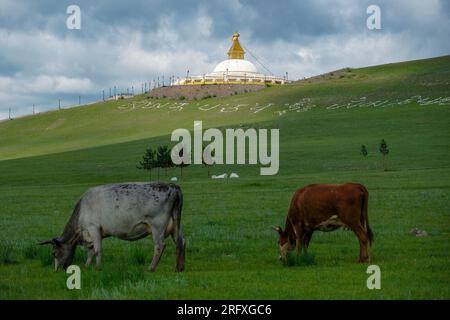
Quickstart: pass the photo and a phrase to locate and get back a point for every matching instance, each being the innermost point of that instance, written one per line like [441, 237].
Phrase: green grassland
[47, 161]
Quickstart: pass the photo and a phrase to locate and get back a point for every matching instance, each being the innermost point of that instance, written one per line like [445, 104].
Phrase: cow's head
[285, 242]
[63, 253]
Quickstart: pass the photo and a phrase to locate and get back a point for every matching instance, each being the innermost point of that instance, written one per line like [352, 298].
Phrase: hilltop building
[234, 70]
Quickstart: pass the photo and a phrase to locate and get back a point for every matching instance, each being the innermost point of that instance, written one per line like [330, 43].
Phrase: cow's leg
[97, 242]
[306, 240]
[363, 242]
[91, 253]
[158, 238]
[299, 235]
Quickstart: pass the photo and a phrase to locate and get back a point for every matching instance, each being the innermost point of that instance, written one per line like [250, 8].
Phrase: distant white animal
[221, 176]
[173, 179]
[234, 175]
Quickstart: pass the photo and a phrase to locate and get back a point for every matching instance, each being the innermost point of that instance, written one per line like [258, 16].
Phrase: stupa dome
[235, 65]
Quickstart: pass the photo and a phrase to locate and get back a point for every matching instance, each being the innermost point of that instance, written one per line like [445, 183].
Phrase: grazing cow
[326, 207]
[128, 211]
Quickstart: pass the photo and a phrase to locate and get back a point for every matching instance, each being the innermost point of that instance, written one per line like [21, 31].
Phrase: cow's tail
[365, 216]
[177, 231]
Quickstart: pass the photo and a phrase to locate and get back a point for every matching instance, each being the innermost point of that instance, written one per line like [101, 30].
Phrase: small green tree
[163, 158]
[158, 164]
[384, 152]
[148, 161]
[208, 166]
[182, 164]
[364, 151]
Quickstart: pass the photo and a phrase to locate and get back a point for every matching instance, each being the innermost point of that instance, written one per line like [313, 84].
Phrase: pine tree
[163, 158]
[182, 164]
[208, 166]
[364, 151]
[148, 161]
[384, 151]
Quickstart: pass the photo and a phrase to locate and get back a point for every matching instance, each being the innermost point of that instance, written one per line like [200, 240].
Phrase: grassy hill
[118, 121]
[47, 161]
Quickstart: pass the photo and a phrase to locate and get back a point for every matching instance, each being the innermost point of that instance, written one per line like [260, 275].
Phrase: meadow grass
[7, 253]
[299, 259]
[231, 247]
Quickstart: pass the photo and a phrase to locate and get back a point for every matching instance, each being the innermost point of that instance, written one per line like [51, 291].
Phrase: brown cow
[326, 207]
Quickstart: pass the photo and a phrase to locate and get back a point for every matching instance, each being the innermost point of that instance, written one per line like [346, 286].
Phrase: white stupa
[234, 70]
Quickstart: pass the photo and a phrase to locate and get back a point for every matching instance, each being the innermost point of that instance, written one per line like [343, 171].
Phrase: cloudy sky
[126, 43]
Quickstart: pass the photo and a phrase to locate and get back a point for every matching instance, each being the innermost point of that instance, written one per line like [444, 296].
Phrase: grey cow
[128, 211]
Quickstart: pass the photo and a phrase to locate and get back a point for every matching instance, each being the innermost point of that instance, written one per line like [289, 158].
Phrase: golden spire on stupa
[236, 51]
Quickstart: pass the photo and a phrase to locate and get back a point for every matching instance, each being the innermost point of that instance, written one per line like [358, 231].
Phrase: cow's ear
[278, 229]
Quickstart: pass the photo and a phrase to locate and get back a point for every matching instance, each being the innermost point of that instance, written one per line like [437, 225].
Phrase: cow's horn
[278, 229]
[46, 242]
[51, 241]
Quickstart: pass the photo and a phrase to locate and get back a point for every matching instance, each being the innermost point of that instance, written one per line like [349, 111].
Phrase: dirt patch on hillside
[59, 122]
[196, 92]
[337, 74]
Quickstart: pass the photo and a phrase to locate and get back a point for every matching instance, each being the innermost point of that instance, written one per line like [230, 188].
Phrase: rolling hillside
[127, 120]
[47, 161]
